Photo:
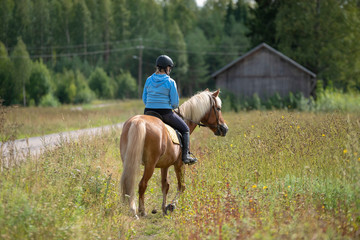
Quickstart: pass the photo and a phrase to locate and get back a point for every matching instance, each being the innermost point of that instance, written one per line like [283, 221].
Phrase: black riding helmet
[163, 61]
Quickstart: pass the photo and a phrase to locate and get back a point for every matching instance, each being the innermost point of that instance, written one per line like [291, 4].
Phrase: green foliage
[39, 82]
[291, 102]
[336, 100]
[72, 87]
[101, 84]
[126, 86]
[276, 175]
[49, 101]
[21, 72]
[88, 34]
[7, 90]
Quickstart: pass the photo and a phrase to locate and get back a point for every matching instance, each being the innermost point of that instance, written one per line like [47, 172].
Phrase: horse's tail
[132, 158]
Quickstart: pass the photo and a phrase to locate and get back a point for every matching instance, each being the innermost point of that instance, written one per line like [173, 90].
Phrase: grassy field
[276, 175]
[23, 122]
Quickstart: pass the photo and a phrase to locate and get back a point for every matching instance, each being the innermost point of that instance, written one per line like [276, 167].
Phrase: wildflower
[323, 207]
[231, 145]
[290, 126]
[355, 153]
[282, 117]
[258, 136]
[289, 186]
[254, 186]
[250, 200]
[323, 135]
[298, 127]
[265, 187]
[244, 134]
[345, 151]
[252, 126]
[359, 159]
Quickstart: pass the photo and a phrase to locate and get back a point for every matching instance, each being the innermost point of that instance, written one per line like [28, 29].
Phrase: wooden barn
[265, 71]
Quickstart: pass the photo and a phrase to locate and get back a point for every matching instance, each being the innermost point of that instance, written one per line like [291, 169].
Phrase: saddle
[174, 134]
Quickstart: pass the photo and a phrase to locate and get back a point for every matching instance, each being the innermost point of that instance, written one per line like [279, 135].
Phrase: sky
[200, 3]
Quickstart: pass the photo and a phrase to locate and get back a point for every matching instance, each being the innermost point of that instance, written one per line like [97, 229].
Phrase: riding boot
[186, 158]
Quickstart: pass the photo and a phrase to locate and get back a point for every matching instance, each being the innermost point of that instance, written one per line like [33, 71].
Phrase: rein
[212, 102]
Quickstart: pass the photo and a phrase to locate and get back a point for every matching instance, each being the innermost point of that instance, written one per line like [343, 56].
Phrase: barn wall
[264, 73]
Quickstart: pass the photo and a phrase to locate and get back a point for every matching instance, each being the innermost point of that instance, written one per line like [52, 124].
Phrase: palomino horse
[145, 140]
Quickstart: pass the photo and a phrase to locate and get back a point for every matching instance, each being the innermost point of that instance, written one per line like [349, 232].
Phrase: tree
[22, 68]
[126, 86]
[181, 11]
[39, 82]
[6, 14]
[40, 27]
[180, 58]
[198, 70]
[322, 36]
[101, 84]
[262, 22]
[80, 25]
[121, 16]
[7, 89]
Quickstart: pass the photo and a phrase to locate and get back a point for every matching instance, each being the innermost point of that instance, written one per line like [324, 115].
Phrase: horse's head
[214, 119]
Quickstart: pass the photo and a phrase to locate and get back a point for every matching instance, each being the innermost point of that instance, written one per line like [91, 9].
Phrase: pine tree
[6, 83]
[22, 68]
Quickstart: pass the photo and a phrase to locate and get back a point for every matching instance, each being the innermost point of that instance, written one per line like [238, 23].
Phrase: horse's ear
[216, 93]
[207, 90]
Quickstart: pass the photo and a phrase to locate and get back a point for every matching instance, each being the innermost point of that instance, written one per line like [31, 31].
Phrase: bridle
[213, 107]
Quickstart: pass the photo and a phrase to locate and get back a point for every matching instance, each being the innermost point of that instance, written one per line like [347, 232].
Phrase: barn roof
[259, 47]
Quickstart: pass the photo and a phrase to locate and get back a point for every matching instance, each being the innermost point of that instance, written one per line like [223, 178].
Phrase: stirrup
[190, 160]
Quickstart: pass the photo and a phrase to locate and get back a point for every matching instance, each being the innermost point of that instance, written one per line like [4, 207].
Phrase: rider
[160, 95]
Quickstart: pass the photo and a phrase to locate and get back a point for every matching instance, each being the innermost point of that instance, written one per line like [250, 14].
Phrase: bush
[65, 87]
[126, 86]
[293, 101]
[83, 93]
[72, 87]
[49, 101]
[101, 84]
[39, 82]
[335, 100]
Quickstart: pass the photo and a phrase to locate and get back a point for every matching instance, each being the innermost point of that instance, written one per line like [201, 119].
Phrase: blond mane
[197, 106]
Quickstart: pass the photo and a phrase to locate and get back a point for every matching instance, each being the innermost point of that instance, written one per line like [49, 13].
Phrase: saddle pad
[172, 134]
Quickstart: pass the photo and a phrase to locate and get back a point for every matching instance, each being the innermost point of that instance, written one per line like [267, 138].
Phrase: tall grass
[38, 121]
[277, 175]
[327, 100]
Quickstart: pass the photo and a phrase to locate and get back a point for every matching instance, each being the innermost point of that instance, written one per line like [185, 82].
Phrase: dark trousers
[171, 119]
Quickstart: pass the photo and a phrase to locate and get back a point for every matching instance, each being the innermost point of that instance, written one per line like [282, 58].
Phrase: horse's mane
[197, 106]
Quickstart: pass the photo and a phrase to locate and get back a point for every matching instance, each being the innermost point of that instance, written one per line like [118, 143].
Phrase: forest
[74, 51]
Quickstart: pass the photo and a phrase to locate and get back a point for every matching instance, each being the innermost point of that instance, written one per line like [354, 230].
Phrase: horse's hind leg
[164, 187]
[148, 172]
[180, 173]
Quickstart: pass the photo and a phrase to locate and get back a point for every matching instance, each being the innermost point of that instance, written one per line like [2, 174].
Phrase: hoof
[142, 214]
[170, 207]
[154, 211]
[136, 217]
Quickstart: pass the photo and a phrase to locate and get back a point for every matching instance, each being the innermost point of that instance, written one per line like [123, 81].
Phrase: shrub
[39, 82]
[101, 84]
[49, 101]
[126, 86]
[83, 93]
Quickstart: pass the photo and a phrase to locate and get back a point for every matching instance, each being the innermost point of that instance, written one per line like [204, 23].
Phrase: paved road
[20, 148]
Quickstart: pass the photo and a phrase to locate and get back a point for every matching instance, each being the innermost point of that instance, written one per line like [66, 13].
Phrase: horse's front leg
[148, 172]
[164, 187]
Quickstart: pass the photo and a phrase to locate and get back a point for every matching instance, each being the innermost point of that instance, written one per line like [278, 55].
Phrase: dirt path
[19, 149]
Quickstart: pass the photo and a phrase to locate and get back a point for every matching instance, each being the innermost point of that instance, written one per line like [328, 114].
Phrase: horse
[145, 140]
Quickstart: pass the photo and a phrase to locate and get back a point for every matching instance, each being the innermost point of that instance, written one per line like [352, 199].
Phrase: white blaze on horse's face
[221, 128]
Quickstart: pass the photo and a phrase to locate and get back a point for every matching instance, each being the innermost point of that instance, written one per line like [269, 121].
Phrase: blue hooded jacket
[160, 92]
